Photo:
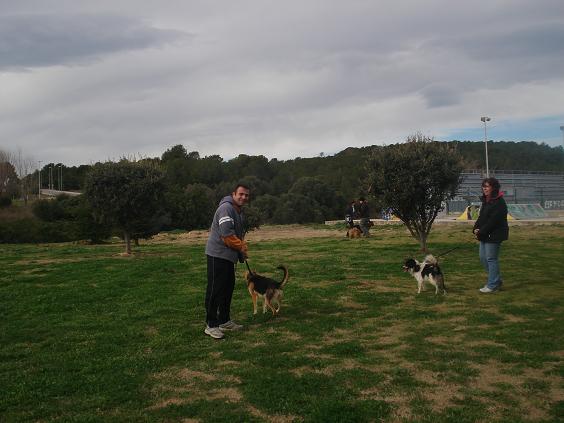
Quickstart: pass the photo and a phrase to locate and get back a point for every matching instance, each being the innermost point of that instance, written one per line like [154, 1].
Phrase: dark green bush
[49, 210]
[5, 201]
[35, 230]
[59, 220]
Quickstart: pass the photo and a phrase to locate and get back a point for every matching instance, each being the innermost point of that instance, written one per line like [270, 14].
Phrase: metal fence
[519, 187]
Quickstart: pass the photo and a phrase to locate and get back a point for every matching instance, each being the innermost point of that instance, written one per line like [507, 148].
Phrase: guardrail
[56, 193]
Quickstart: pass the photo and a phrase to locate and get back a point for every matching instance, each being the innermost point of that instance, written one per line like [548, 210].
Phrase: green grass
[89, 335]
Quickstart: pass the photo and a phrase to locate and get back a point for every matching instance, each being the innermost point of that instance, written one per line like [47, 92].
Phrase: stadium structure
[520, 187]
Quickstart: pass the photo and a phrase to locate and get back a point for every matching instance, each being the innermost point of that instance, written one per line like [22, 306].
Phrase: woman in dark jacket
[491, 229]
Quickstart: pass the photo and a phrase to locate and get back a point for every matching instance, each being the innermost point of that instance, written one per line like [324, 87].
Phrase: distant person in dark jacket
[350, 214]
[491, 229]
[364, 215]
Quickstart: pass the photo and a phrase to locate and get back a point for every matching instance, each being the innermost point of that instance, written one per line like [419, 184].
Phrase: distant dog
[429, 270]
[354, 232]
[267, 288]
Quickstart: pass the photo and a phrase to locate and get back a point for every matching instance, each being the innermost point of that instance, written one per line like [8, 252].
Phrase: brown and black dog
[354, 232]
[267, 288]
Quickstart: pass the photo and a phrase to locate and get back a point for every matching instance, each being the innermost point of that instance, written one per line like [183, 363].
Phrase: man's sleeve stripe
[225, 219]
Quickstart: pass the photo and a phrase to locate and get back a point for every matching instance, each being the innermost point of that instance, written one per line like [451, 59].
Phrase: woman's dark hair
[494, 183]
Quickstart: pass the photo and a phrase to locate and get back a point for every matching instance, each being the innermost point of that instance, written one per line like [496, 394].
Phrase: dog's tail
[431, 259]
[285, 278]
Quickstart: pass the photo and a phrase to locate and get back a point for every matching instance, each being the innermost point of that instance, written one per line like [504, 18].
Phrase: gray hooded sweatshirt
[226, 221]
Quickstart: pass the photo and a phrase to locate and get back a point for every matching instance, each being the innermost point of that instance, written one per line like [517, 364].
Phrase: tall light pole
[60, 176]
[486, 119]
[39, 192]
[562, 129]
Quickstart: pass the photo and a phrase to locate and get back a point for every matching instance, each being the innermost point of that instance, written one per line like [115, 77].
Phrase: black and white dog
[428, 270]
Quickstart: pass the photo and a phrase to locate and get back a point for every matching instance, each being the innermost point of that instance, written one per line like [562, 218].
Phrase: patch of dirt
[266, 232]
[182, 386]
[169, 401]
[401, 410]
[191, 375]
[227, 394]
[347, 302]
[375, 285]
[151, 331]
[390, 333]
[484, 343]
[271, 418]
[292, 336]
[494, 374]
[48, 261]
[338, 336]
[514, 319]
[447, 341]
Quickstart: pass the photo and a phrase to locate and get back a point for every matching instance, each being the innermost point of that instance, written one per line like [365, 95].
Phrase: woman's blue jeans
[489, 253]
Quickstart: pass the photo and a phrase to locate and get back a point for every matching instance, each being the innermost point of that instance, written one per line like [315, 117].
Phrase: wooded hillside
[341, 170]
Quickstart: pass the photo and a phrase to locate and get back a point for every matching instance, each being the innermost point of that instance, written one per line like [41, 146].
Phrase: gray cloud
[269, 77]
[441, 95]
[35, 40]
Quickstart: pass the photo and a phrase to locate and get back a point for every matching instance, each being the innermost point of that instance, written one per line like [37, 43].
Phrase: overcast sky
[87, 81]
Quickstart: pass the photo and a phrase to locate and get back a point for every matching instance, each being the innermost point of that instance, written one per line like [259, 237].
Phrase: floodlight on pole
[486, 119]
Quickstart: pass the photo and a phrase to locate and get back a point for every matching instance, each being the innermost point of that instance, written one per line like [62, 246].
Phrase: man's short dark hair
[361, 199]
[240, 185]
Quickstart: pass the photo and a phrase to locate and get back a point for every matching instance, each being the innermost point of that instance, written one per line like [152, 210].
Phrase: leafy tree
[225, 188]
[190, 208]
[126, 195]
[210, 170]
[414, 179]
[322, 195]
[257, 185]
[244, 165]
[253, 218]
[9, 181]
[297, 208]
[178, 172]
[174, 153]
[266, 206]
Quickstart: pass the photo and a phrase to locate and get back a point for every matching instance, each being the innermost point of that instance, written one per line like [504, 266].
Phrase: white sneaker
[486, 290]
[230, 325]
[214, 332]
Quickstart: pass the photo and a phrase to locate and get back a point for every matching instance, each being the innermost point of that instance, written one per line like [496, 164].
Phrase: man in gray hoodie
[224, 248]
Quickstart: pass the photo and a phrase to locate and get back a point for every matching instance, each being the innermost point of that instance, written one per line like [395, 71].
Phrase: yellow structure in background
[514, 212]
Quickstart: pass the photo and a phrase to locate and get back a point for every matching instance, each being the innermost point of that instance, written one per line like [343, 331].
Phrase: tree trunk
[127, 240]
[423, 242]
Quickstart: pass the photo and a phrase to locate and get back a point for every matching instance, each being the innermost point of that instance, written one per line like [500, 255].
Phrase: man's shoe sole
[237, 328]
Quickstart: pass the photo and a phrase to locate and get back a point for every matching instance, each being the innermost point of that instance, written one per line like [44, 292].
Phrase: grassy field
[87, 335]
